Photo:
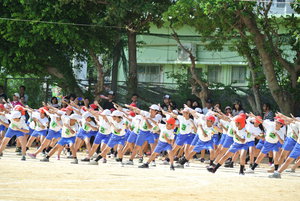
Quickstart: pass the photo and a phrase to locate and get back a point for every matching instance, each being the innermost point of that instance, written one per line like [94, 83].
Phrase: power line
[60, 23]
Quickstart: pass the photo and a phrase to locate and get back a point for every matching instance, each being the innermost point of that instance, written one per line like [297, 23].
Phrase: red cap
[21, 109]
[211, 118]
[243, 115]
[93, 106]
[133, 105]
[278, 119]
[241, 120]
[84, 108]
[112, 109]
[257, 121]
[41, 110]
[64, 109]
[171, 121]
[69, 108]
[1, 106]
[131, 113]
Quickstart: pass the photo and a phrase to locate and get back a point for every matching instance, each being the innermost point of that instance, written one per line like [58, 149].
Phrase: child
[16, 127]
[165, 142]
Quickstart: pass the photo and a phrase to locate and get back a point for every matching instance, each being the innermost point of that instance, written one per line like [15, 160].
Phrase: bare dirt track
[60, 180]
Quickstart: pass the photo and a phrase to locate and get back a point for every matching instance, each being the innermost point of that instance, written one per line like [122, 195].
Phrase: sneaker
[276, 175]
[179, 166]
[129, 163]
[202, 160]
[211, 169]
[33, 156]
[250, 171]
[242, 173]
[118, 160]
[165, 162]
[176, 158]
[140, 160]
[93, 163]
[70, 156]
[153, 164]
[58, 158]
[105, 161]
[172, 167]
[1, 154]
[18, 149]
[85, 160]
[229, 165]
[45, 160]
[291, 171]
[75, 161]
[19, 153]
[23, 158]
[145, 165]
[187, 164]
[182, 160]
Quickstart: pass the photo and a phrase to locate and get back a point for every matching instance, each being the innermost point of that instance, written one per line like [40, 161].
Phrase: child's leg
[30, 141]
[152, 157]
[22, 140]
[45, 143]
[87, 143]
[285, 164]
[4, 143]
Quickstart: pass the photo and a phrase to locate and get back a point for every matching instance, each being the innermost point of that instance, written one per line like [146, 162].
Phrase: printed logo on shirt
[165, 134]
[14, 126]
[272, 135]
[183, 127]
[102, 129]
[231, 132]
[248, 134]
[68, 132]
[116, 133]
[54, 124]
[86, 127]
[145, 126]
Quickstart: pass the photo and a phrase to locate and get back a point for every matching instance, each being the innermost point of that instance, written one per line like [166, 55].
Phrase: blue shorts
[10, 133]
[289, 144]
[144, 136]
[223, 137]
[36, 133]
[296, 152]
[30, 131]
[203, 145]
[155, 136]
[236, 147]
[184, 139]
[63, 141]
[2, 128]
[251, 144]
[195, 140]
[82, 134]
[115, 139]
[269, 147]
[132, 137]
[102, 138]
[53, 134]
[162, 146]
[215, 139]
[127, 134]
[228, 141]
[260, 144]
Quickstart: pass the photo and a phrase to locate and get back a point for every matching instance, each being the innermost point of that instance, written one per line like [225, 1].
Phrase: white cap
[158, 117]
[175, 111]
[116, 113]
[15, 115]
[154, 107]
[198, 109]
[86, 115]
[17, 94]
[75, 116]
[187, 110]
[36, 115]
[106, 112]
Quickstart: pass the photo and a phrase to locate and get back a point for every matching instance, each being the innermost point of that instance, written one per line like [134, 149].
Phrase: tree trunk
[132, 76]
[283, 99]
[115, 66]
[100, 74]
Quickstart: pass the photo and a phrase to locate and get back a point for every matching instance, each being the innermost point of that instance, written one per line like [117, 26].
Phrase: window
[149, 73]
[214, 74]
[238, 74]
[280, 4]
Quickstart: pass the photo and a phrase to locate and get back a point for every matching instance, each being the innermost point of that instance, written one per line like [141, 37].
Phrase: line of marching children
[179, 134]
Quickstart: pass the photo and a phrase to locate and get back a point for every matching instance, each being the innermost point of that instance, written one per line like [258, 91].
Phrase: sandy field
[60, 180]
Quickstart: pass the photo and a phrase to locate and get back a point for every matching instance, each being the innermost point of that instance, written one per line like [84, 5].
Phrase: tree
[272, 43]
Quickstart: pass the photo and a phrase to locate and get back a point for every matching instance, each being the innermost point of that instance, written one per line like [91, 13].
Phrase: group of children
[179, 135]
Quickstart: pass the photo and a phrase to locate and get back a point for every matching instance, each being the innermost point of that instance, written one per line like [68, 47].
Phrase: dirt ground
[60, 180]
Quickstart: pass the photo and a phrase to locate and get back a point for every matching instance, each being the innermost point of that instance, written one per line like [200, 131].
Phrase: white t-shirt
[86, 126]
[118, 126]
[54, 124]
[292, 131]
[44, 121]
[135, 124]
[165, 132]
[185, 126]
[66, 133]
[298, 125]
[4, 119]
[104, 126]
[242, 134]
[270, 130]
[209, 131]
[14, 125]
[252, 131]
[143, 125]
[226, 125]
